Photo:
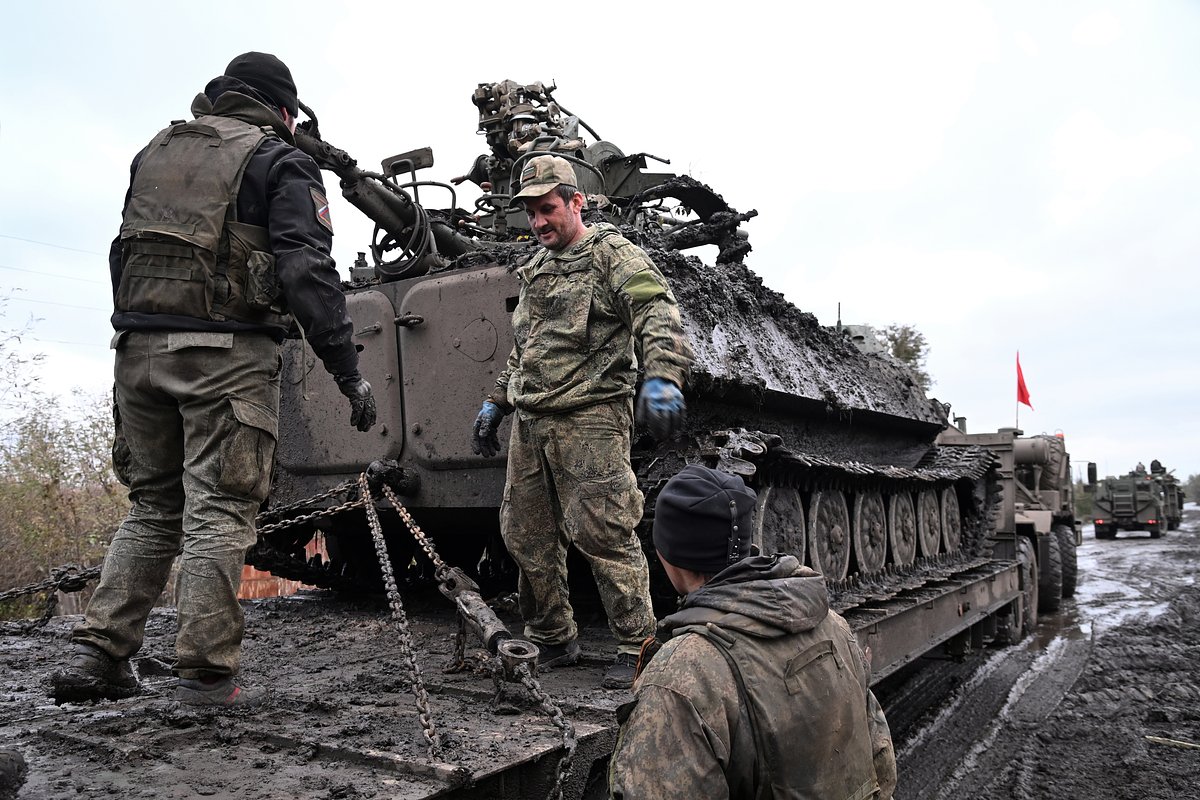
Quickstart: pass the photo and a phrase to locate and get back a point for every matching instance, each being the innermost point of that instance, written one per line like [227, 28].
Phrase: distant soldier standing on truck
[225, 238]
[592, 307]
[759, 689]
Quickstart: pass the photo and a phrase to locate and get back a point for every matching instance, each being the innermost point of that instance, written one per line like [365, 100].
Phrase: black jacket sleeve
[301, 244]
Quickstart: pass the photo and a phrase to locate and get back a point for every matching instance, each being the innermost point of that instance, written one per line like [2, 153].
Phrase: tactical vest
[182, 251]
[807, 711]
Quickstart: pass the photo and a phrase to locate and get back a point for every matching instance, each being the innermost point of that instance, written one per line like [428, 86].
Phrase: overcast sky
[1003, 176]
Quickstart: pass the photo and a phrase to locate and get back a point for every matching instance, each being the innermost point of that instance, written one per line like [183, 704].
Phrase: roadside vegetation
[59, 499]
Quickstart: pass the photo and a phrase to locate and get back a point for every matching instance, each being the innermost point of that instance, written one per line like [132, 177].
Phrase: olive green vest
[182, 251]
[804, 697]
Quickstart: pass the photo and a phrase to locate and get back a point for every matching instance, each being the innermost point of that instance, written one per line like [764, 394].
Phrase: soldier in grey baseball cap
[589, 300]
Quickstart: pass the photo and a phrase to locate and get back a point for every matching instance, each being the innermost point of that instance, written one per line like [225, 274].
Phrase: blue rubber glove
[660, 408]
[484, 441]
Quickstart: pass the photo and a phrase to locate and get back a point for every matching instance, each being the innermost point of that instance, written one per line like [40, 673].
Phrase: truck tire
[1024, 617]
[1070, 562]
[1106, 532]
[1050, 578]
[1156, 530]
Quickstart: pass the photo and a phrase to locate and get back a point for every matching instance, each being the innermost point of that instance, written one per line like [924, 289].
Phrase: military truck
[1136, 501]
[1037, 508]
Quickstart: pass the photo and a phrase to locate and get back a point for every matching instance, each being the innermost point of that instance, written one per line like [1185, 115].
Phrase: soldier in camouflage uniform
[591, 305]
[225, 239]
[758, 690]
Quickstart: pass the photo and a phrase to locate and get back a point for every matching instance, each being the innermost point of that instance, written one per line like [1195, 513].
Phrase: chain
[522, 672]
[440, 570]
[278, 511]
[67, 578]
[556, 716]
[407, 651]
[320, 512]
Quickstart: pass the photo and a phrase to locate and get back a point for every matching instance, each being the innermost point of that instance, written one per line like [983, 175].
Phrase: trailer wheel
[1050, 577]
[1027, 557]
[1070, 562]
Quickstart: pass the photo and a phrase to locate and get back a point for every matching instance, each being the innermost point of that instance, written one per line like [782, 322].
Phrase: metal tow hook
[513, 654]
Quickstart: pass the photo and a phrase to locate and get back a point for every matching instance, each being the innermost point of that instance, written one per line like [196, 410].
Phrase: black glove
[362, 402]
[484, 441]
[660, 408]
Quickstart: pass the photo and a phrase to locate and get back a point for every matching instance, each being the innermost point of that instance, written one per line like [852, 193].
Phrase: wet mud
[1103, 701]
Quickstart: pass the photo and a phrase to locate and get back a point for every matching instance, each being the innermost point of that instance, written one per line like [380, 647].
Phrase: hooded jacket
[759, 691]
[281, 191]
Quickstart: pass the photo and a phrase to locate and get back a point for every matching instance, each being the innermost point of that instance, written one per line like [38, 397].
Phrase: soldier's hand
[660, 408]
[484, 441]
[362, 401]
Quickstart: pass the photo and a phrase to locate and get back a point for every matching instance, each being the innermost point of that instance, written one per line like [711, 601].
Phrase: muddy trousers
[570, 483]
[196, 422]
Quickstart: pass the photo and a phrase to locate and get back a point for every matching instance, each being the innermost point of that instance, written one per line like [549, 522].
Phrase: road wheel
[902, 529]
[951, 520]
[1027, 557]
[870, 532]
[779, 522]
[1050, 578]
[829, 534]
[929, 523]
[1070, 562]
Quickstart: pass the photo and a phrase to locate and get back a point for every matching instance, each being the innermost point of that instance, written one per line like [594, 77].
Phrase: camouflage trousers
[570, 483]
[196, 416]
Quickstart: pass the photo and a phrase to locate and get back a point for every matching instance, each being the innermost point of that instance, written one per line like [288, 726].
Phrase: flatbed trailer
[342, 721]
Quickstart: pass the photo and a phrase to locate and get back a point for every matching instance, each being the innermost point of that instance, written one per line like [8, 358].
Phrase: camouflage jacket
[760, 691]
[585, 317]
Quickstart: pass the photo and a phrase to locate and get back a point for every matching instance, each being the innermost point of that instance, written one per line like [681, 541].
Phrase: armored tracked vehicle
[841, 446]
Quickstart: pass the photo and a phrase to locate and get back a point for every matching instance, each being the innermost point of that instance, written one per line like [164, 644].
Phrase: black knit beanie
[703, 518]
[269, 75]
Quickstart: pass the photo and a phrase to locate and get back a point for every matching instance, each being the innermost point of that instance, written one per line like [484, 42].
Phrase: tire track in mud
[980, 733]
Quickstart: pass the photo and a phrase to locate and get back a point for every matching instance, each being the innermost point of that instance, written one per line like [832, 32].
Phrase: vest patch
[321, 205]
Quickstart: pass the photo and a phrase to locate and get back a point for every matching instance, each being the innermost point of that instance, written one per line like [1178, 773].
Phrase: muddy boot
[558, 655]
[221, 692]
[620, 675]
[93, 675]
[12, 772]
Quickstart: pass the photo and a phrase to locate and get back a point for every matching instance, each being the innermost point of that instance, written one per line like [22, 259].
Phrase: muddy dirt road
[1065, 714]
[1099, 704]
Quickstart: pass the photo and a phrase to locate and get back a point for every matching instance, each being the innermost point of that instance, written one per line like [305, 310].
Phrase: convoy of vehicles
[1136, 501]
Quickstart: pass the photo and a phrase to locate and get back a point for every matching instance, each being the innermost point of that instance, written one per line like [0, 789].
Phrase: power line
[64, 305]
[52, 274]
[51, 244]
[105, 345]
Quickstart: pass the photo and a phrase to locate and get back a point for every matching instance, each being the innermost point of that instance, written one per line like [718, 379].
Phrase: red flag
[1022, 392]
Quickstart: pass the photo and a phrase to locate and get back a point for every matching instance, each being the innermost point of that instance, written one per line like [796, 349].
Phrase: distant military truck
[1137, 501]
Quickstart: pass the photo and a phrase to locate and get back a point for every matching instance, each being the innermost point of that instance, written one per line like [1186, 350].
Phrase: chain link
[522, 672]
[561, 722]
[440, 570]
[407, 650]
